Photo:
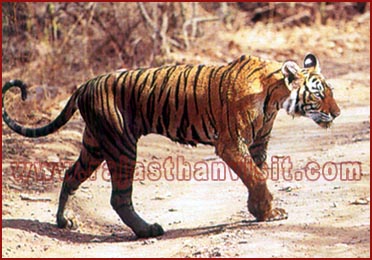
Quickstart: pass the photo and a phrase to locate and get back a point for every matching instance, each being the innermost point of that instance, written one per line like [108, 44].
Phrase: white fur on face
[290, 103]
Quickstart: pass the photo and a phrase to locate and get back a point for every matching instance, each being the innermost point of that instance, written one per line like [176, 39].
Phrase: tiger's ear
[291, 71]
[311, 62]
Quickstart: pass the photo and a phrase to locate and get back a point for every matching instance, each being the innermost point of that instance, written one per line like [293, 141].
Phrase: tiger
[231, 107]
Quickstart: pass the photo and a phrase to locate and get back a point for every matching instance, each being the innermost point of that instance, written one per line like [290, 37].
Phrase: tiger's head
[311, 95]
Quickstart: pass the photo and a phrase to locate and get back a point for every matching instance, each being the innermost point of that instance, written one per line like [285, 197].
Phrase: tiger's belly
[187, 136]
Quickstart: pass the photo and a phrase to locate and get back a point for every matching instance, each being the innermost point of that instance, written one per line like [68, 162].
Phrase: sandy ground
[328, 217]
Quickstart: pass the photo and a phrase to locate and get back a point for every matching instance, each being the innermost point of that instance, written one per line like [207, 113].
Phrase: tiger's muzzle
[323, 119]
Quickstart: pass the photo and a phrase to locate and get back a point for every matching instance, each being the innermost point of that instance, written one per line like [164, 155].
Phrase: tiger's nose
[335, 114]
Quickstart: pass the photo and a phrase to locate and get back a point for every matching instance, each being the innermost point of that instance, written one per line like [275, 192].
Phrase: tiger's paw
[68, 223]
[277, 214]
[153, 230]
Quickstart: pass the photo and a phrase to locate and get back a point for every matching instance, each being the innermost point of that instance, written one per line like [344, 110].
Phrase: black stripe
[93, 151]
[210, 121]
[139, 109]
[220, 68]
[220, 89]
[185, 78]
[159, 127]
[273, 73]
[86, 100]
[118, 115]
[151, 107]
[205, 129]
[142, 86]
[277, 105]
[255, 70]
[200, 67]
[267, 134]
[252, 126]
[213, 120]
[181, 131]
[184, 121]
[164, 84]
[228, 117]
[144, 124]
[232, 63]
[194, 134]
[108, 102]
[139, 73]
[150, 104]
[268, 97]
[100, 91]
[228, 120]
[241, 67]
[216, 73]
[232, 66]
[266, 102]
[128, 132]
[178, 87]
[133, 103]
[269, 117]
[154, 76]
[122, 90]
[90, 100]
[253, 130]
[95, 104]
[166, 112]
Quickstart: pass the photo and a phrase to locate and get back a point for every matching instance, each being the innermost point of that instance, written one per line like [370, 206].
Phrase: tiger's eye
[317, 95]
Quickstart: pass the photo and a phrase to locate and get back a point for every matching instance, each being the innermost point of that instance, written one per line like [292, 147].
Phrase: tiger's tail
[53, 126]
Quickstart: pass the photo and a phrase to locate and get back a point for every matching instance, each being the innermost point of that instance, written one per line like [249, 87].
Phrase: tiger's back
[185, 103]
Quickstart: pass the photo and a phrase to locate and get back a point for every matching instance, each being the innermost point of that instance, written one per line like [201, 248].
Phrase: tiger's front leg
[259, 198]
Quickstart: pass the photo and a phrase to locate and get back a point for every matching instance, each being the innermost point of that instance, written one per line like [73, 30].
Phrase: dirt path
[327, 218]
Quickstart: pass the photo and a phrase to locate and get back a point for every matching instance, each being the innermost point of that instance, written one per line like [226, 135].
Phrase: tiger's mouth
[322, 119]
[325, 124]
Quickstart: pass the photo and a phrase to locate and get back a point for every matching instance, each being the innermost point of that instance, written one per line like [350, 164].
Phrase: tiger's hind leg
[122, 171]
[90, 158]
